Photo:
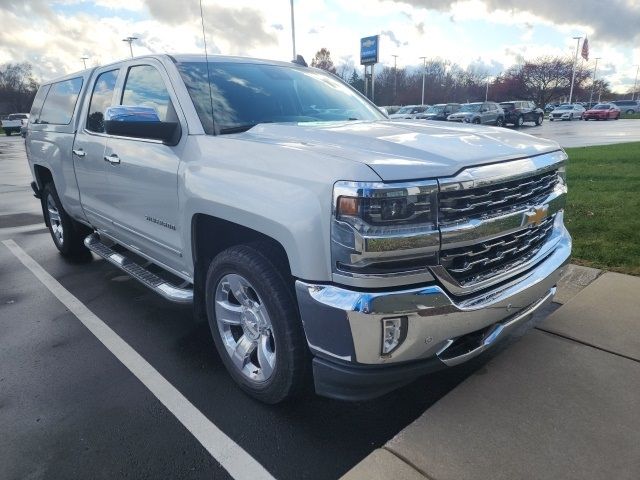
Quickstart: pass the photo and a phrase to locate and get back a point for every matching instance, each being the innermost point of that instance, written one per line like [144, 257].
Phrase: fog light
[394, 332]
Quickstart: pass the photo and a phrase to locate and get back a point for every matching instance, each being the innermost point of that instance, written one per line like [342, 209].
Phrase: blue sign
[369, 50]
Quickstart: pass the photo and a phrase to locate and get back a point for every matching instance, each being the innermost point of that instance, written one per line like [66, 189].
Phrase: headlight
[381, 229]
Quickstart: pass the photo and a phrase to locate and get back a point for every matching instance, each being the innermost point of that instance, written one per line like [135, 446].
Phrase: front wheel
[539, 120]
[500, 122]
[255, 323]
[8, 132]
[519, 121]
[68, 235]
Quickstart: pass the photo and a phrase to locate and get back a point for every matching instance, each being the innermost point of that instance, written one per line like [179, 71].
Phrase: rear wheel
[476, 121]
[8, 132]
[255, 324]
[539, 120]
[519, 121]
[499, 122]
[68, 235]
[630, 111]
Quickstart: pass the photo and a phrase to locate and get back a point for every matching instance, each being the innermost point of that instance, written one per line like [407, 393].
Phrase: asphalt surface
[70, 409]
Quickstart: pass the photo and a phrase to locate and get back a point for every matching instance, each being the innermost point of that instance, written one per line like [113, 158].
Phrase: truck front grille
[464, 204]
[480, 261]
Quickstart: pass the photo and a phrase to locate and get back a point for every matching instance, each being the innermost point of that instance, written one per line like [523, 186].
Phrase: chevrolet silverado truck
[325, 245]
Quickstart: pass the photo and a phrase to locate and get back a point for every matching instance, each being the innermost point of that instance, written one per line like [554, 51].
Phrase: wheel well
[211, 235]
[43, 176]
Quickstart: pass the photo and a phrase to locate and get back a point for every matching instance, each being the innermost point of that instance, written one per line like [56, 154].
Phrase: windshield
[602, 106]
[245, 94]
[406, 110]
[507, 105]
[19, 116]
[470, 107]
[564, 107]
[435, 109]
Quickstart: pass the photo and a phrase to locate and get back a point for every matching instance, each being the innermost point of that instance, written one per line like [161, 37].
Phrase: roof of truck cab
[183, 57]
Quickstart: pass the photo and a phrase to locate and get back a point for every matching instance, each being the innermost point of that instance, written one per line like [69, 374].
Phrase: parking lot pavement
[578, 133]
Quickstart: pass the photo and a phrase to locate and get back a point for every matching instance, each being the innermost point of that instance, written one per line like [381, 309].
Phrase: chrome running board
[174, 293]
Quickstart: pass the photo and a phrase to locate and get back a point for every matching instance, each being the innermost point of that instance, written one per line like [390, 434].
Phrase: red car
[602, 111]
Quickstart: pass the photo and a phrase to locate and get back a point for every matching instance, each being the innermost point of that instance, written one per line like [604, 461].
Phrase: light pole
[486, 92]
[130, 40]
[84, 61]
[575, 62]
[424, 70]
[293, 31]
[395, 78]
[635, 82]
[593, 82]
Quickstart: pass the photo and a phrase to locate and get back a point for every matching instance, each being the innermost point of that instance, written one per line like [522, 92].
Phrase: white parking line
[229, 454]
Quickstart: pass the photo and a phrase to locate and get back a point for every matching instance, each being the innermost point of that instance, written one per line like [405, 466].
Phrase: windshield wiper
[237, 128]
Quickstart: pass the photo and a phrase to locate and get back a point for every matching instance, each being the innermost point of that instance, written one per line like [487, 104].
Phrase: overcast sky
[492, 34]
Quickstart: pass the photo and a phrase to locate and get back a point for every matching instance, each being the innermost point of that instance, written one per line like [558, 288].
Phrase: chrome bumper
[345, 325]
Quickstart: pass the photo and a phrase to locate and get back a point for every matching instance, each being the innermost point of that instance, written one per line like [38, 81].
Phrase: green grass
[603, 206]
[630, 115]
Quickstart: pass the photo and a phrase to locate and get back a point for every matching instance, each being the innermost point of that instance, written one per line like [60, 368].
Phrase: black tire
[476, 121]
[539, 120]
[630, 111]
[70, 241]
[259, 265]
[499, 122]
[8, 132]
[519, 121]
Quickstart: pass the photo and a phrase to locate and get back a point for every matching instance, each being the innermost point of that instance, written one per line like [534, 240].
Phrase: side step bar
[169, 291]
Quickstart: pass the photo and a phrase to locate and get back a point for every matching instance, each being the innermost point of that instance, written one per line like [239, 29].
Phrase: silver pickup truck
[323, 243]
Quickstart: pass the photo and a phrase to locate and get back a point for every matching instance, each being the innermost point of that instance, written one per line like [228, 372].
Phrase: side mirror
[140, 122]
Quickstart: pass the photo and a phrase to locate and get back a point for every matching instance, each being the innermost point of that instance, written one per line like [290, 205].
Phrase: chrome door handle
[113, 159]
[79, 153]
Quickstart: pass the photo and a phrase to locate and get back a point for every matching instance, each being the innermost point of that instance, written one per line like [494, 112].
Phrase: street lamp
[84, 61]
[635, 82]
[424, 70]
[293, 31]
[486, 92]
[395, 78]
[593, 82]
[575, 62]
[130, 40]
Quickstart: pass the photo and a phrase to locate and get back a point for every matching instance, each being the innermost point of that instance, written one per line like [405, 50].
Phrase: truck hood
[403, 150]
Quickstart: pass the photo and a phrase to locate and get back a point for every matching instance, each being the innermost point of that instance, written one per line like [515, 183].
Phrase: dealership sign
[369, 50]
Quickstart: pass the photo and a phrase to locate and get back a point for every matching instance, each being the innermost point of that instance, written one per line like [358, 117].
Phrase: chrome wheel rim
[54, 220]
[245, 328]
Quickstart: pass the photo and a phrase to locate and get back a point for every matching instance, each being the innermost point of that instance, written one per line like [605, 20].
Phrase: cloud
[392, 36]
[611, 20]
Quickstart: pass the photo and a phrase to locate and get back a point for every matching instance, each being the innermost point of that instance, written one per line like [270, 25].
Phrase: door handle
[113, 159]
[79, 152]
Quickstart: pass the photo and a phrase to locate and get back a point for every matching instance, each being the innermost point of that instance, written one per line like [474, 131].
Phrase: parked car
[14, 123]
[517, 112]
[567, 112]
[440, 111]
[550, 106]
[627, 106]
[409, 112]
[486, 113]
[602, 111]
[320, 240]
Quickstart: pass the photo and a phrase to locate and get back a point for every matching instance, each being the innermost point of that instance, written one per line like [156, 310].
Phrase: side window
[145, 87]
[61, 102]
[101, 99]
[37, 103]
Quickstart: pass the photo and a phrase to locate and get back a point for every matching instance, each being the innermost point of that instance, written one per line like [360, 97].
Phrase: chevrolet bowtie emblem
[536, 215]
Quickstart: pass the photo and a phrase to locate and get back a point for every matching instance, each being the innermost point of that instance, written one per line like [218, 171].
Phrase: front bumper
[343, 327]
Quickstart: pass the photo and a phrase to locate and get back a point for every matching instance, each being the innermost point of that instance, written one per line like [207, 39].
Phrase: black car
[517, 112]
[439, 111]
